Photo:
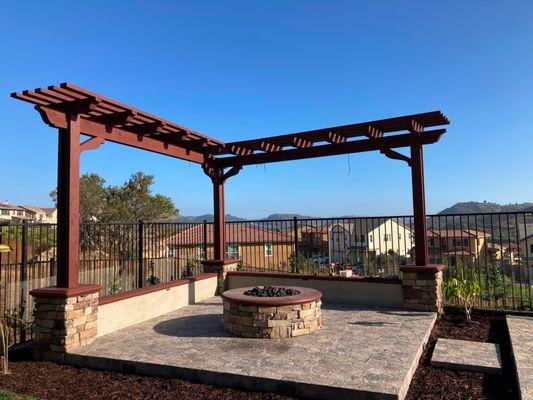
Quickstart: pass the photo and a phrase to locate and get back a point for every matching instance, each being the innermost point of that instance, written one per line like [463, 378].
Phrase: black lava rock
[271, 291]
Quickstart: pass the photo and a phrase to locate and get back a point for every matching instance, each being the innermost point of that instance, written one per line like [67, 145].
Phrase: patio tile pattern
[467, 356]
[521, 333]
[360, 352]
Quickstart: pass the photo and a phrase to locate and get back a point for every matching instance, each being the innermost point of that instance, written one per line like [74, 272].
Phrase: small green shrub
[152, 278]
[190, 268]
[463, 291]
[115, 286]
[301, 265]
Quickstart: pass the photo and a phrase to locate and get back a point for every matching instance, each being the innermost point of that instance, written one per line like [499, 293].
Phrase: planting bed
[431, 383]
[49, 381]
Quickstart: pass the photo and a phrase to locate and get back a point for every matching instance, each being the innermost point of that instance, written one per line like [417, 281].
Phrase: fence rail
[496, 249]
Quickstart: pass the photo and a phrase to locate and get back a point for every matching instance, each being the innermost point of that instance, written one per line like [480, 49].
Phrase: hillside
[473, 207]
[470, 207]
[286, 216]
[206, 217]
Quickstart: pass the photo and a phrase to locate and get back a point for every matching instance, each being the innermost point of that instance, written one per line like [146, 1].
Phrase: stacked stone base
[272, 322]
[63, 324]
[422, 288]
[221, 267]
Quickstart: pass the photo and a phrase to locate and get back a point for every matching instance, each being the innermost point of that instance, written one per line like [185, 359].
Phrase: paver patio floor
[360, 352]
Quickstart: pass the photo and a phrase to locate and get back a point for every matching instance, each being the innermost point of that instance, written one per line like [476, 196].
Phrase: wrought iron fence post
[52, 270]
[140, 245]
[295, 233]
[23, 277]
[205, 239]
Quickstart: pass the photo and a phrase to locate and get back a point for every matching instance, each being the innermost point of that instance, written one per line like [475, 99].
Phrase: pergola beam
[339, 134]
[357, 146]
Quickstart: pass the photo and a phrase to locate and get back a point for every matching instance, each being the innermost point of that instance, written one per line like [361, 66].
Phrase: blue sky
[243, 69]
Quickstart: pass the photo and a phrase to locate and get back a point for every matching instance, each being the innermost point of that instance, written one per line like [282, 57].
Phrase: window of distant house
[362, 238]
[388, 237]
[20, 212]
[268, 250]
[431, 242]
[200, 252]
[171, 252]
[531, 248]
[460, 242]
[232, 250]
[370, 238]
[5, 212]
[399, 236]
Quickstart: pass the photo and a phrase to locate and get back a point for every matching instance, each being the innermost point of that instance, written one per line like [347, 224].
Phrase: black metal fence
[494, 249]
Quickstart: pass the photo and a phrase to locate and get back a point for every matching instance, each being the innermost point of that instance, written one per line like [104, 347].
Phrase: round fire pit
[272, 312]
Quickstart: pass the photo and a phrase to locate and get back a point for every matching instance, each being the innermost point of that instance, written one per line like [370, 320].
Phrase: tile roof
[455, 233]
[235, 233]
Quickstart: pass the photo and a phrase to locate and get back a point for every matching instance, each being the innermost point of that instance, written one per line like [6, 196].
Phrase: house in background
[254, 246]
[365, 239]
[42, 215]
[382, 236]
[13, 213]
[508, 253]
[457, 245]
[525, 241]
[525, 251]
[313, 242]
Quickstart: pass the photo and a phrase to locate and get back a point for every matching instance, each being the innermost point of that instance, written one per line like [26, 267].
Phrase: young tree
[134, 200]
[128, 202]
[463, 291]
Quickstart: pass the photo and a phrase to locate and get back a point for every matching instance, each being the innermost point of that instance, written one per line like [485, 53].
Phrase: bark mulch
[431, 383]
[50, 381]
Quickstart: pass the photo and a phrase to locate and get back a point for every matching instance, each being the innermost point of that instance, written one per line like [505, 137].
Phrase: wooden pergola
[75, 111]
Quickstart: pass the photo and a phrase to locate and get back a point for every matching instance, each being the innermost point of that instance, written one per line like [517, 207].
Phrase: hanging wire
[349, 165]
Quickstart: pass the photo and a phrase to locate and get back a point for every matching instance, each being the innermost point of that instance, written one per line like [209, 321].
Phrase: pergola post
[421, 283]
[68, 199]
[65, 316]
[219, 217]
[220, 263]
[419, 204]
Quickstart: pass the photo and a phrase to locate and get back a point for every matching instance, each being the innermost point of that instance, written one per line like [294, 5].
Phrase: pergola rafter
[75, 111]
[118, 122]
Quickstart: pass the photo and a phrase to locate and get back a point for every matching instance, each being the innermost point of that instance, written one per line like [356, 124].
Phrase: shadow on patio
[204, 325]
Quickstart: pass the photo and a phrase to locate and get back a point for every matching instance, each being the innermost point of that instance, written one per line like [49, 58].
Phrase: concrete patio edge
[224, 379]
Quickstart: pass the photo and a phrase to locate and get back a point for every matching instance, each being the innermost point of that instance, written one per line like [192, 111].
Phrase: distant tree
[134, 200]
[92, 197]
[129, 202]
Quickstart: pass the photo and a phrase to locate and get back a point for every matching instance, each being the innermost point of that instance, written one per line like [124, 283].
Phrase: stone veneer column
[422, 287]
[64, 319]
[221, 267]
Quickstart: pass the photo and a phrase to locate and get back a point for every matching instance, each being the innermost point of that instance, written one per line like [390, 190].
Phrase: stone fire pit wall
[272, 317]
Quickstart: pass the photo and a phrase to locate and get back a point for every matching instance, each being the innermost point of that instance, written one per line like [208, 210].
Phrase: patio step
[521, 334]
[465, 355]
